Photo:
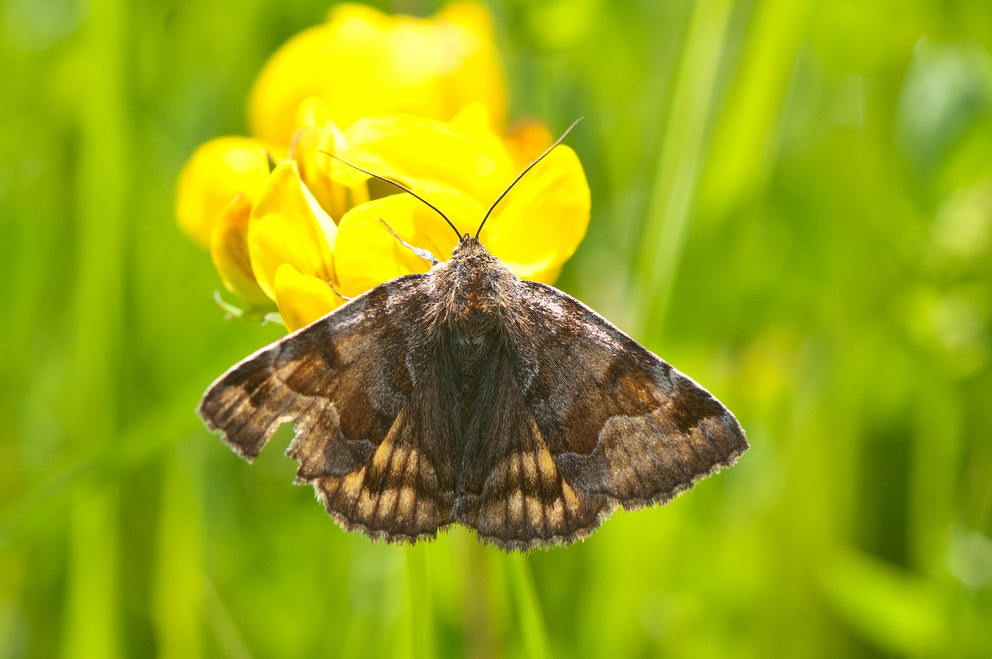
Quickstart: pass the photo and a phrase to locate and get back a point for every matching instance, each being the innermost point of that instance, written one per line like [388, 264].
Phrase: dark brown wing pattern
[585, 420]
[559, 419]
[509, 487]
[626, 426]
[360, 420]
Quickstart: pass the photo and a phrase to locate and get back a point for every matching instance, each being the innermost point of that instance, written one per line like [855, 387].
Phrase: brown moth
[464, 394]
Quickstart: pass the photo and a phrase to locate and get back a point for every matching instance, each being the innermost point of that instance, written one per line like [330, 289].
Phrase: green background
[792, 202]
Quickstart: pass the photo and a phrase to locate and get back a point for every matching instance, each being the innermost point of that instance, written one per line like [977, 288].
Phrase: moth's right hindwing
[346, 383]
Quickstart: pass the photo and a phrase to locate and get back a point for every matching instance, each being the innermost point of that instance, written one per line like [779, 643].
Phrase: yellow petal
[472, 120]
[364, 63]
[314, 112]
[526, 141]
[367, 254]
[547, 274]
[420, 148]
[287, 79]
[480, 76]
[287, 225]
[216, 173]
[541, 222]
[229, 251]
[311, 144]
[302, 298]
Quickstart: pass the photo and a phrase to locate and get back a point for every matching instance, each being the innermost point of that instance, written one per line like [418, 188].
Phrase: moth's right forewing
[620, 422]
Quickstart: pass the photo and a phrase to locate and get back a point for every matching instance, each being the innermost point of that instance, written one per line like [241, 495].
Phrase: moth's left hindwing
[360, 420]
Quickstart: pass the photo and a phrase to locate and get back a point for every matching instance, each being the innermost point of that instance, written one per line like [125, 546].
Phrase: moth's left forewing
[306, 378]
[620, 422]
[366, 435]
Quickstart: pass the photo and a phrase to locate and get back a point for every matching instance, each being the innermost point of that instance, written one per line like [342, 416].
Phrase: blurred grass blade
[528, 607]
[92, 611]
[177, 603]
[225, 629]
[420, 599]
[750, 117]
[91, 624]
[895, 611]
[679, 162]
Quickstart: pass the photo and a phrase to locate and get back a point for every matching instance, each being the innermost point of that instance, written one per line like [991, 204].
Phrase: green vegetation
[792, 202]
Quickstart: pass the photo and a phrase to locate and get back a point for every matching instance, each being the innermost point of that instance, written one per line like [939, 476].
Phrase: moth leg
[422, 253]
[335, 291]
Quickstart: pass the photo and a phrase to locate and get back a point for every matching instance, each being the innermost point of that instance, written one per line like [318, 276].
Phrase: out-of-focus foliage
[792, 202]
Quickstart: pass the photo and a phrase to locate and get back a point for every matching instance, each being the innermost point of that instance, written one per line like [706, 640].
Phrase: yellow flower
[369, 255]
[229, 250]
[360, 63]
[534, 230]
[365, 63]
[302, 298]
[216, 173]
[476, 161]
[318, 136]
[289, 227]
[526, 141]
[298, 258]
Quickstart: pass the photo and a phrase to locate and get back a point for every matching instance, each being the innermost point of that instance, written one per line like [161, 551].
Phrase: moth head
[467, 245]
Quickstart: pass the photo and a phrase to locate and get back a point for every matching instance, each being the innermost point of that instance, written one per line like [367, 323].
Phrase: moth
[467, 395]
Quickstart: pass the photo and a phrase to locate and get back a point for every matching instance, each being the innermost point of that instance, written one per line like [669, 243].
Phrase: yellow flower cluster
[416, 100]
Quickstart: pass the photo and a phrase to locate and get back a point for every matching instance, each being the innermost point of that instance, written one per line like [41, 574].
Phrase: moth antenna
[397, 185]
[527, 169]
